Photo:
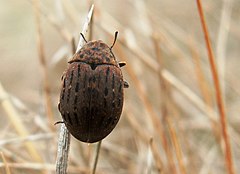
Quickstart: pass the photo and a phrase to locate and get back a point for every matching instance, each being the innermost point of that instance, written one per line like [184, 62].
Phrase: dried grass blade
[96, 157]
[17, 123]
[220, 103]
[85, 28]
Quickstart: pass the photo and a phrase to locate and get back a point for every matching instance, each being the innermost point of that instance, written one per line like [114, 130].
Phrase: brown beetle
[91, 98]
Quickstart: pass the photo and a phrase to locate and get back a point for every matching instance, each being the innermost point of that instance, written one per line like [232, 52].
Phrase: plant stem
[96, 157]
[220, 104]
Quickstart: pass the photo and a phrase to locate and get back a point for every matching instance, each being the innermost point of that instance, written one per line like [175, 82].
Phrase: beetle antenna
[83, 37]
[115, 38]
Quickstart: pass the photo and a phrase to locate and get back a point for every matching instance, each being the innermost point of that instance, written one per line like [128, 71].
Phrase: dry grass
[181, 110]
[219, 98]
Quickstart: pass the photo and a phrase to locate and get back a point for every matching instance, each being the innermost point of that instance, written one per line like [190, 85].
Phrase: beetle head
[96, 53]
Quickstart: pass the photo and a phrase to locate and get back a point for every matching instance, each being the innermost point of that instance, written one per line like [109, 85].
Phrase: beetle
[91, 98]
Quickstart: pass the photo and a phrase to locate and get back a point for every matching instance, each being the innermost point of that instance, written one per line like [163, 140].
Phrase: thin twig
[64, 137]
[63, 149]
[85, 28]
[96, 157]
[220, 104]
[91, 27]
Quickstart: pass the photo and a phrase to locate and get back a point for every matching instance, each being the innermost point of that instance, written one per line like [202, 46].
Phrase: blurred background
[170, 121]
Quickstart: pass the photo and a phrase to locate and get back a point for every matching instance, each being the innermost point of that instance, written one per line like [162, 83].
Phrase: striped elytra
[91, 98]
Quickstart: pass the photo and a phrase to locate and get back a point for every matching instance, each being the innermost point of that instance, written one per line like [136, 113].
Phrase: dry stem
[63, 149]
[220, 104]
[96, 157]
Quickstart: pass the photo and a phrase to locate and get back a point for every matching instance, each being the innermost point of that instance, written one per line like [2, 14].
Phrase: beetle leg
[122, 63]
[59, 106]
[63, 76]
[58, 122]
[125, 84]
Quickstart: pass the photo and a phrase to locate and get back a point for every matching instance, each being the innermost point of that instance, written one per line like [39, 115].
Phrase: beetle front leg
[122, 63]
[125, 84]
